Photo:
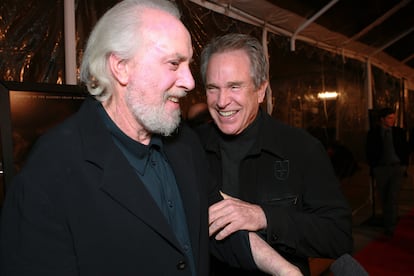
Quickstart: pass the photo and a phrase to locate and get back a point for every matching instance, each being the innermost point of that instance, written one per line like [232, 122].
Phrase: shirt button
[181, 265]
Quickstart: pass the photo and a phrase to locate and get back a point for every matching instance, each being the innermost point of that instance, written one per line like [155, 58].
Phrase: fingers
[218, 217]
[223, 218]
[227, 217]
[231, 214]
[225, 232]
[223, 226]
[216, 210]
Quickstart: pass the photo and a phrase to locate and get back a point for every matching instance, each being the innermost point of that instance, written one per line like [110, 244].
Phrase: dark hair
[384, 112]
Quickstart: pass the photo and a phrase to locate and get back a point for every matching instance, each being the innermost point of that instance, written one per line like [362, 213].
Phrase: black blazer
[288, 173]
[78, 208]
[374, 145]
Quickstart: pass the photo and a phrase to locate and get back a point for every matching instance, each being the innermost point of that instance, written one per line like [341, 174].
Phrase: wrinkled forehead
[164, 30]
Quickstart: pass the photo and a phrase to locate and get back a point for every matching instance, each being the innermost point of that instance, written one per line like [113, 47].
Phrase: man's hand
[232, 214]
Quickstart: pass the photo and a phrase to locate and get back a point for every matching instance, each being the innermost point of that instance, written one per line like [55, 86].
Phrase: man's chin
[228, 130]
[167, 129]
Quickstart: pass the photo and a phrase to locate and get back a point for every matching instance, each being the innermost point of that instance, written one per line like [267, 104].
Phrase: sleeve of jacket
[401, 145]
[234, 250]
[231, 251]
[322, 226]
[34, 241]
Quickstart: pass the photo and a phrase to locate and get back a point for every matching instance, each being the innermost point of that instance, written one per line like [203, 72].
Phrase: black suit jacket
[288, 173]
[78, 208]
[374, 145]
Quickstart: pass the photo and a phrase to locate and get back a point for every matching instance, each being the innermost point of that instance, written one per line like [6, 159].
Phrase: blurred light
[328, 95]
[309, 97]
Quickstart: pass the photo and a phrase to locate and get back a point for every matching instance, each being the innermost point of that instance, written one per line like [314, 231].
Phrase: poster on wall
[28, 110]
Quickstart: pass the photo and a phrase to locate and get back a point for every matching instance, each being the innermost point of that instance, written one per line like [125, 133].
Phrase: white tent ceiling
[291, 21]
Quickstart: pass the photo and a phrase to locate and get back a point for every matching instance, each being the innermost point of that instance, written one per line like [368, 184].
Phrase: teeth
[227, 113]
[173, 99]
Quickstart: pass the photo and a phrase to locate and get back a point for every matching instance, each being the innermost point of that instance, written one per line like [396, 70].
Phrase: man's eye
[235, 87]
[211, 89]
[174, 64]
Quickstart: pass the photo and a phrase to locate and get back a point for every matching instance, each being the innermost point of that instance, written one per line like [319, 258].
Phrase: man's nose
[186, 79]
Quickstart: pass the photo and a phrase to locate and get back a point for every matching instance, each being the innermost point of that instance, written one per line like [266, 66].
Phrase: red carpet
[391, 255]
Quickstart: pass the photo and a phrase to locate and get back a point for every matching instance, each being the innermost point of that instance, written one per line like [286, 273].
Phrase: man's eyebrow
[211, 85]
[231, 83]
[228, 84]
[180, 57]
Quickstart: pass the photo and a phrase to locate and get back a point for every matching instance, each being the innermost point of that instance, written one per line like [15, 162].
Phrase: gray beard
[154, 118]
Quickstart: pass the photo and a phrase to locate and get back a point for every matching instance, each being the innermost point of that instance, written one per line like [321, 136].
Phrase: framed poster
[27, 110]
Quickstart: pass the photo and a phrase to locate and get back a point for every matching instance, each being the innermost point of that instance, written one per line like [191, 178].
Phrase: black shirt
[234, 149]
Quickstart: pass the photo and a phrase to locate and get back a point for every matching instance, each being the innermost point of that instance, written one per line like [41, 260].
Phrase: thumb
[225, 196]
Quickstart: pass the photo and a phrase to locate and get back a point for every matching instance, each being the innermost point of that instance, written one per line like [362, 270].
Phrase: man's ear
[119, 69]
[261, 92]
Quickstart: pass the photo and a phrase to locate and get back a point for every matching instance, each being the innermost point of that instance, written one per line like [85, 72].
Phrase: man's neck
[121, 115]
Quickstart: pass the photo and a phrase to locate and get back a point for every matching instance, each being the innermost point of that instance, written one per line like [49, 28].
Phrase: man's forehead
[169, 36]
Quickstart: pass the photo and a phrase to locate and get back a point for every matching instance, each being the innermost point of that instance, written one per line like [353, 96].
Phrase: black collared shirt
[152, 167]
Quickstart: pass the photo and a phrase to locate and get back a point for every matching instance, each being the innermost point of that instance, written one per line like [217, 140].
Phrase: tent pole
[370, 104]
[308, 22]
[70, 42]
[368, 84]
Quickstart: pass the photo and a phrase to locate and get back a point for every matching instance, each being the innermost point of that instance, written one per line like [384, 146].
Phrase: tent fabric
[286, 22]
[32, 50]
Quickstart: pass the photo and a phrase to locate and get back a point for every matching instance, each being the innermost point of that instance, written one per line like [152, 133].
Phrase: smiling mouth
[227, 113]
[176, 96]
[173, 99]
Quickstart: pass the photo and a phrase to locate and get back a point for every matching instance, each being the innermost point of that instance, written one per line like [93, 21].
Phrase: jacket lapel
[118, 179]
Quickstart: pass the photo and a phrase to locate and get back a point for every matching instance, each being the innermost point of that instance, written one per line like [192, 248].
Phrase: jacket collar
[118, 180]
[268, 137]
